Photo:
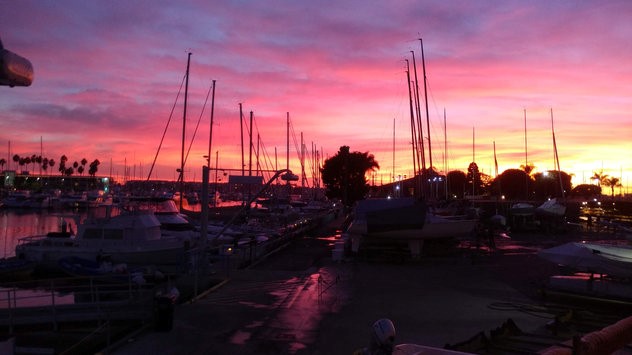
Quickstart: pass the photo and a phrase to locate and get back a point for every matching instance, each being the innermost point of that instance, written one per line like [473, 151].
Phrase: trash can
[163, 314]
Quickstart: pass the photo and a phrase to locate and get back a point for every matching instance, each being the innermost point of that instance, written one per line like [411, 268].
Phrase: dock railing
[55, 301]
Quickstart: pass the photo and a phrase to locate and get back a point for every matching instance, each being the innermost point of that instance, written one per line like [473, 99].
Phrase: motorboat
[164, 208]
[133, 238]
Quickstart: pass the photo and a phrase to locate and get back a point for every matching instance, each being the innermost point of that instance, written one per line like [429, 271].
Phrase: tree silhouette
[39, 160]
[457, 181]
[529, 168]
[27, 161]
[547, 184]
[511, 183]
[94, 166]
[62, 164]
[474, 178]
[612, 182]
[16, 159]
[600, 177]
[344, 175]
[22, 162]
[45, 164]
[84, 161]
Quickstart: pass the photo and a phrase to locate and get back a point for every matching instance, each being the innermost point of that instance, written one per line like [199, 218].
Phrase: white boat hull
[133, 239]
[612, 260]
[435, 227]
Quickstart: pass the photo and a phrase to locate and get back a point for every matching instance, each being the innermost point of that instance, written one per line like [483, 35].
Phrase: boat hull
[615, 261]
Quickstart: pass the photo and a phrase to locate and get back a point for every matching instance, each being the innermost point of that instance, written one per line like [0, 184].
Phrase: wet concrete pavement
[302, 302]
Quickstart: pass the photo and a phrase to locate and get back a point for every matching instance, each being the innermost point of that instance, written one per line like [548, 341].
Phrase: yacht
[132, 238]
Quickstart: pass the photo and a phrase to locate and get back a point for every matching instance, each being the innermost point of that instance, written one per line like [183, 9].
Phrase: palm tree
[2, 162]
[612, 182]
[22, 162]
[528, 168]
[44, 164]
[62, 164]
[84, 161]
[16, 160]
[600, 177]
[27, 161]
[38, 160]
[94, 166]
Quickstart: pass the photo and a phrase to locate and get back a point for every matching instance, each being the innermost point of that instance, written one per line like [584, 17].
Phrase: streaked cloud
[107, 75]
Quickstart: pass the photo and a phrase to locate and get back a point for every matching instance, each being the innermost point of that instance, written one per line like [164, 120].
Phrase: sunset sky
[107, 74]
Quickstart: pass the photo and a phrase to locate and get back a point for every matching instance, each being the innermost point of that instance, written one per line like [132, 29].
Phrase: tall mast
[473, 161]
[445, 149]
[210, 135]
[241, 135]
[41, 153]
[526, 159]
[303, 175]
[420, 140]
[557, 158]
[250, 148]
[184, 123]
[393, 175]
[423, 62]
[412, 121]
[287, 141]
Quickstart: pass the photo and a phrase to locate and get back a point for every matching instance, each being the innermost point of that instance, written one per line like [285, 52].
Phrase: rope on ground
[534, 310]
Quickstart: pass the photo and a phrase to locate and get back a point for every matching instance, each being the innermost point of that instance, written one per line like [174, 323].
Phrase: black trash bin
[163, 314]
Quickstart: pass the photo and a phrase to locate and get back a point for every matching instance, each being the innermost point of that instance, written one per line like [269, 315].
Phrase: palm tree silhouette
[600, 177]
[529, 168]
[16, 160]
[612, 182]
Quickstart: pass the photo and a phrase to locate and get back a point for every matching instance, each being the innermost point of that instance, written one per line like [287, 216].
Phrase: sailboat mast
[526, 159]
[250, 145]
[423, 63]
[210, 135]
[184, 124]
[445, 149]
[412, 120]
[557, 158]
[393, 174]
[474, 161]
[287, 141]
[241, 135]
[420, 140]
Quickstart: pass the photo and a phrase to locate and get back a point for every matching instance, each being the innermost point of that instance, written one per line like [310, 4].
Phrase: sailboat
[406, 219]
[554, 208]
